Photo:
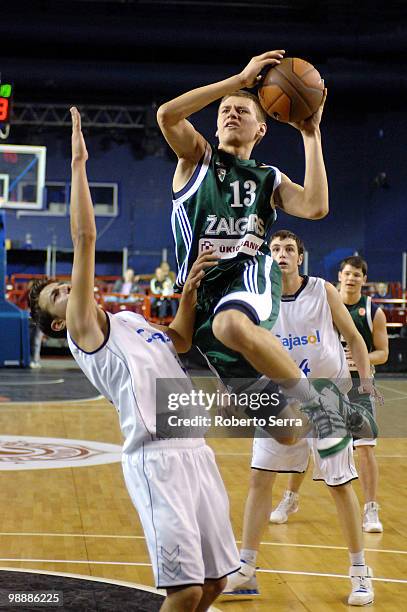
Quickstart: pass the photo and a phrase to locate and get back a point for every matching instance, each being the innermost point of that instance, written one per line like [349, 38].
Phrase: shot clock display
[6, 92]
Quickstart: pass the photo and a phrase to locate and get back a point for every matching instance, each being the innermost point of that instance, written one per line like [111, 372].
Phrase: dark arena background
[68, 525]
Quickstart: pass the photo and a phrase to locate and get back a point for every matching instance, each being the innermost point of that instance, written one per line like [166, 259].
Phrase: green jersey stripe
[177, 201]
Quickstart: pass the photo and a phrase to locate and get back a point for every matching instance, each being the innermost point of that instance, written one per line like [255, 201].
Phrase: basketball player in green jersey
[370, 321]
[225, 200]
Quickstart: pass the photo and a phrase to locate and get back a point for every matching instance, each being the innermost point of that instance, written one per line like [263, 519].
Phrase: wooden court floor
[79, 520]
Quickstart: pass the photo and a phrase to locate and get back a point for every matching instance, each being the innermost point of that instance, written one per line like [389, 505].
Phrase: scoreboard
[5, 102]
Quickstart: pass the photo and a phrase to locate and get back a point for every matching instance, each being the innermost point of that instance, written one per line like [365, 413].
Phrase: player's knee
[341, 490]
[288, 439]
[364, 451]
[213, 588]
[231, 328]
[192, 598]
[186, 599]
[223, 326]
[261, 479]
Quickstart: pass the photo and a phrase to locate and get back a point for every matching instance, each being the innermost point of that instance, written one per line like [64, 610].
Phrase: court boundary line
[63, 402]
[132, 585]
[140, 537]
[138, 564]
[402, 393]
[394, 399]
[378, 455]
[76, 561]
[57, 381]
[326, 575]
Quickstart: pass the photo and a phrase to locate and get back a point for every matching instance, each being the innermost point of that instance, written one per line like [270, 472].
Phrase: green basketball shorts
[253, 286]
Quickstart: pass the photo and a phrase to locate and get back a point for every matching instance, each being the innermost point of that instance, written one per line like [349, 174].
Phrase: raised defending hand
[79, 152]
[311, 124]
[250, 75]
[206, 260]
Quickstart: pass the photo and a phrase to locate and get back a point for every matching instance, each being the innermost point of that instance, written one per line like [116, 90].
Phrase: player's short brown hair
[284, 234]
[356, 262]
[242, 93]
[40, 316]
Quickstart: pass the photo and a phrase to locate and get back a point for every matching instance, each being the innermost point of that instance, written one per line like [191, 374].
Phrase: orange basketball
[292, 90]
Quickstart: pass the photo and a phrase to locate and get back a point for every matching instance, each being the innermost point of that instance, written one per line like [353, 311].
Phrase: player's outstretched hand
[311, 124]
[250, 75]
[206, 260]
[367, 386]
[79, 152]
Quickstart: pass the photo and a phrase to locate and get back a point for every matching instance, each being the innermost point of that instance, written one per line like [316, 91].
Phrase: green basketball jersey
[226, 205]
[363, 313]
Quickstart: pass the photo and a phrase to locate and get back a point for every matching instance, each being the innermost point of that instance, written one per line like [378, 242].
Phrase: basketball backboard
[22, 176]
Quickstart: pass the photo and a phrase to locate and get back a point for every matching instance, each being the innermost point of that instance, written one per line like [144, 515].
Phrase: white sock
[294, 493]
[368, 506]
[302, 390]
[357, 558]
[249, 556]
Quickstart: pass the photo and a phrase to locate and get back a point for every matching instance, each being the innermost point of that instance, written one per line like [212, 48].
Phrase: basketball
[292, 90]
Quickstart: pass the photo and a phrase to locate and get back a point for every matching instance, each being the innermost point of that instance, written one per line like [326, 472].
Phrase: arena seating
[17, 287]
[17, 292]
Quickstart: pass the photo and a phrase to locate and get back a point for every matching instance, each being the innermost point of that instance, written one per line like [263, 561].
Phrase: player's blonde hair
[242, 93]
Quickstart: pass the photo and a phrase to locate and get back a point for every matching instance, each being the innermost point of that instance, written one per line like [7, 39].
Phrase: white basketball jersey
[306, 330]
[125, 370]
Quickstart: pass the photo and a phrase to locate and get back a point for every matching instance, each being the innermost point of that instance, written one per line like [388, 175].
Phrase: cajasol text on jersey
[290, 341]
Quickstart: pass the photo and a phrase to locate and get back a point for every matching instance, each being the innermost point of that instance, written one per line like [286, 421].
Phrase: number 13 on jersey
[249, 193]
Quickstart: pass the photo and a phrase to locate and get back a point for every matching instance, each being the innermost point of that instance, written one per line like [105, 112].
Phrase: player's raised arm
[312, 200]
[181, 328]
[182, 137]
[82, 315]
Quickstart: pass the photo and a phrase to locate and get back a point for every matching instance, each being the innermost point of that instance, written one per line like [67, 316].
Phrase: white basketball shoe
[371, 521]
[242, 584]
[362, 589]
[288, 505]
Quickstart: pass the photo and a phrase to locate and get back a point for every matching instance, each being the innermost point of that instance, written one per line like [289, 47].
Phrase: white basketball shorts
[270, 455]
[178, 492]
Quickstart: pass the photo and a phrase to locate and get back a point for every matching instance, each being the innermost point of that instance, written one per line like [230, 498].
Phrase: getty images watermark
[336, 408]
[189, 410]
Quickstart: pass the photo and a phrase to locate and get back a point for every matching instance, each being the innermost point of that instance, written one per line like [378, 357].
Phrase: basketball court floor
[68, 525]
